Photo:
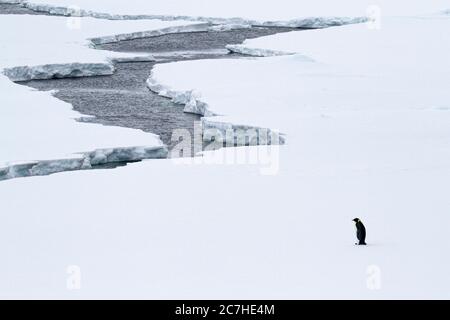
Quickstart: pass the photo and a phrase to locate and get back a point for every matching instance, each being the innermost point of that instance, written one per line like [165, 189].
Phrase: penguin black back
[360, 232]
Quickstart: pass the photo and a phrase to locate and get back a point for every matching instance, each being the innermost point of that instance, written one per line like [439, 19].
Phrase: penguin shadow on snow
[361, 234]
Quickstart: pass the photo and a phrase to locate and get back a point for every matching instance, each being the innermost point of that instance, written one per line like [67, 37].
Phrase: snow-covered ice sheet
[198, 11]
[402, 66]
[367, 141]
[282, 10]
[165, 231]
[64, 40]
[415, 39]
[36, 127]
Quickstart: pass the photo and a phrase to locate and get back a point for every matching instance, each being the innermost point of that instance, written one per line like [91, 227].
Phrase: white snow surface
[368, 127]
[358, 68]
[63, 40]
[34, 126]
[263, 11]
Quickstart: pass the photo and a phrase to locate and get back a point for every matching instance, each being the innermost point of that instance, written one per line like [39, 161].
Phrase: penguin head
[356, 220]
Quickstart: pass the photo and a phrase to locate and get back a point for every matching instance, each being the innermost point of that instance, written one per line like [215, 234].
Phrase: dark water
[192, 41]
[123, 98]
[6, 8]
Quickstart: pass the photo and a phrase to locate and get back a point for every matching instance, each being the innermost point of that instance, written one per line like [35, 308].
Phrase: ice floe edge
[193, 104]
[307, 22]
[83, 161]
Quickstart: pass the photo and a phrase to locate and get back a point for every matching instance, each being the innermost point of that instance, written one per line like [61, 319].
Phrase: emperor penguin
[360, 232]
